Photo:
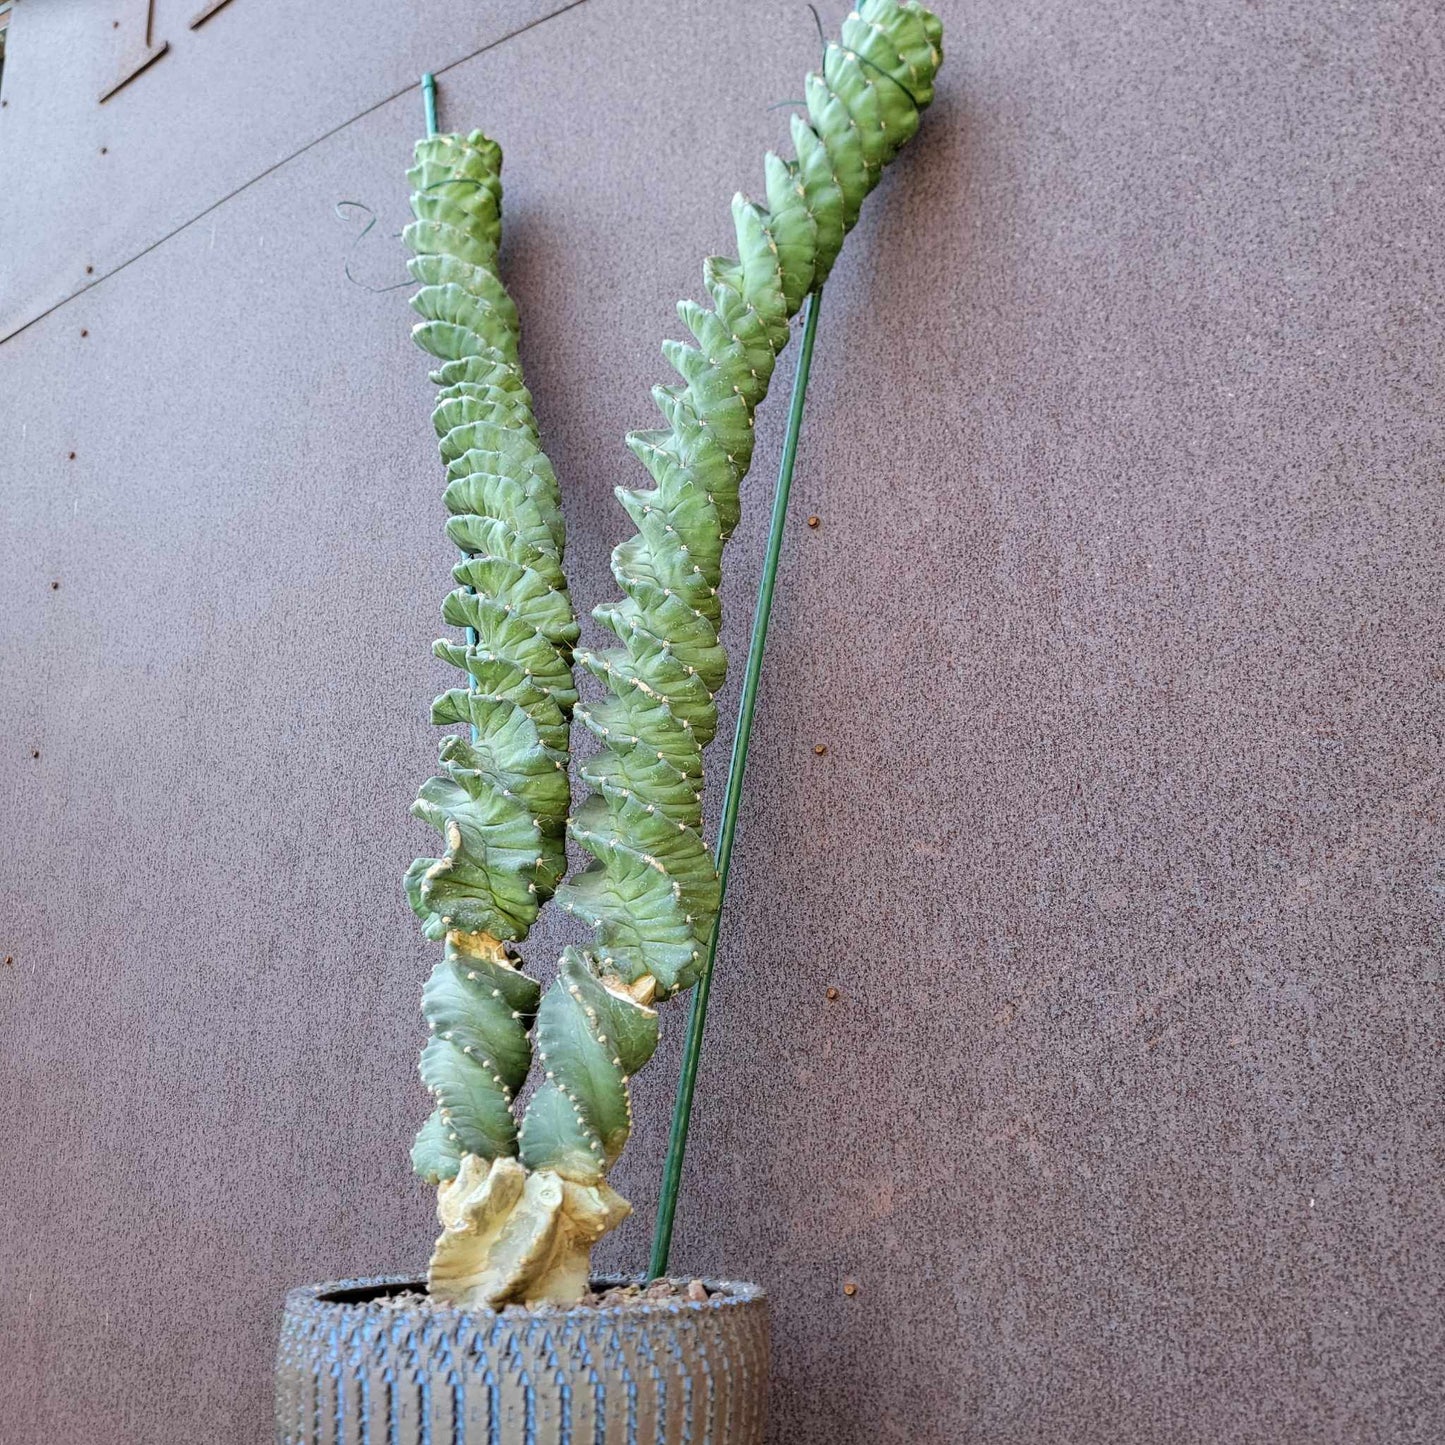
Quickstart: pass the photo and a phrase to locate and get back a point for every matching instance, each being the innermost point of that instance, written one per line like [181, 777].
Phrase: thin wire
[341, 208]
[697, 1018]
[861, 59]
[822, 38]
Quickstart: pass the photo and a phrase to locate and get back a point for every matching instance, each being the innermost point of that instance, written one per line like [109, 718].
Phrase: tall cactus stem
[737, 765]
[652, 891]
[501, 797]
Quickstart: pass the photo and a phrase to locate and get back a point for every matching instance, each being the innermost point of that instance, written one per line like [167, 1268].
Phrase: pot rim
[723, 1294]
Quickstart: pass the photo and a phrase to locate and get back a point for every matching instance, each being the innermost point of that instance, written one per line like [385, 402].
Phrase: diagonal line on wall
[286, 160]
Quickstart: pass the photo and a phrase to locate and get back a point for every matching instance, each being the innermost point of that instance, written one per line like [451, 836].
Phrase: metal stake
[697, 1018]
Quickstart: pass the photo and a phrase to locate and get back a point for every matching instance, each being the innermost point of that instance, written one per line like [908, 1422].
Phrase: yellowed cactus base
[514, 1237]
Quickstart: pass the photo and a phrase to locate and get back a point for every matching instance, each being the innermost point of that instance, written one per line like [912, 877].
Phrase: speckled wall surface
[1121, 627]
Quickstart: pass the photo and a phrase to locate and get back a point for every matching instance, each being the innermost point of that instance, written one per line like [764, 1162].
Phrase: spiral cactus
[651, 891]
[501, 797]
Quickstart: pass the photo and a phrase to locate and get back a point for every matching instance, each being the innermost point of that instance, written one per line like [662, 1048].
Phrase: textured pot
[353, 1368]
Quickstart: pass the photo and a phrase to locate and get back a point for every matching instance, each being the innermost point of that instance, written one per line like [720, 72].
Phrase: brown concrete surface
[1121, 627]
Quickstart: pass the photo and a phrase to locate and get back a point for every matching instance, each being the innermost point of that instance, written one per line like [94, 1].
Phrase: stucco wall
[1121, 627]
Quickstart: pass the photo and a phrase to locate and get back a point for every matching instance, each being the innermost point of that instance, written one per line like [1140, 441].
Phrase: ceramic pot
[358, 1366]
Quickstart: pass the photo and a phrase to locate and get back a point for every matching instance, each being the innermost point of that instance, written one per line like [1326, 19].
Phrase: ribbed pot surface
[355, 1368]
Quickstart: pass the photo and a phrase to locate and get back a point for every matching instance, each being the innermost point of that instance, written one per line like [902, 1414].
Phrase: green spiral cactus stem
[523, 1230]
[501, 797]
[651, 891]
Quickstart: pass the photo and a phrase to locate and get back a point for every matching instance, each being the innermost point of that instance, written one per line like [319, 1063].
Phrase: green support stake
[697, 1018]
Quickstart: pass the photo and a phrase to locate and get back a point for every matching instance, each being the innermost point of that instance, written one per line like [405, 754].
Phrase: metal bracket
[149, 55]
[205, 13]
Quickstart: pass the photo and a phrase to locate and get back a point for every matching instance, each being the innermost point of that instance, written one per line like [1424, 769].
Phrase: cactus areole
[523, 1199]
